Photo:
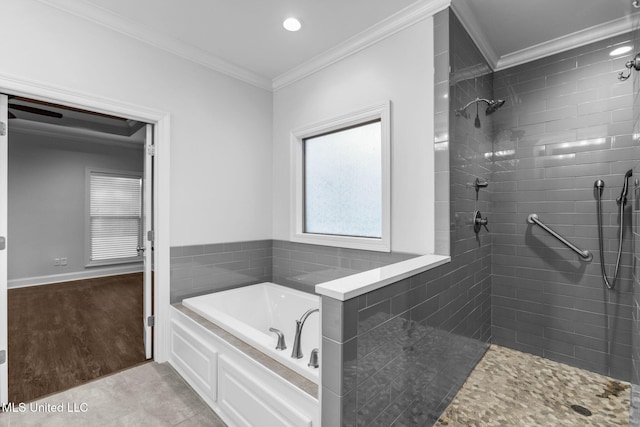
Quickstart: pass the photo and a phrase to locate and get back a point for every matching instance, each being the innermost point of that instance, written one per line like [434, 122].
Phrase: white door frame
[161, 207]
[147, 240]
[4, 319]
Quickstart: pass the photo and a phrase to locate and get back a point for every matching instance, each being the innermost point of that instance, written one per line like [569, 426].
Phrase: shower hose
[623, 202]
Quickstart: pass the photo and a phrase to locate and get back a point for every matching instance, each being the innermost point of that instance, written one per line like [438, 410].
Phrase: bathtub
[250, 311]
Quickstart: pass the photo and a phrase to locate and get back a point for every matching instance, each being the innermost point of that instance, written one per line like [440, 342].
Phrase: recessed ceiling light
[292, 24]
[620, 51]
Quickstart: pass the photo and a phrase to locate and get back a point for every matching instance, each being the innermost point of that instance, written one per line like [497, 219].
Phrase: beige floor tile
[147, 395]
[205, 418]
[511, 388]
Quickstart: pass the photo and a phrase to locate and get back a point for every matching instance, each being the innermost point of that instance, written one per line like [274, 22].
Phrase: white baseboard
[79, 275]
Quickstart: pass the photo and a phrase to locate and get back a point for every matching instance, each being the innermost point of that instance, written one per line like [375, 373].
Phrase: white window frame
[380, 112]
[87, 228]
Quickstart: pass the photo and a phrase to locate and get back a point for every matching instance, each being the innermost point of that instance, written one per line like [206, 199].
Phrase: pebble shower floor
[511, 388]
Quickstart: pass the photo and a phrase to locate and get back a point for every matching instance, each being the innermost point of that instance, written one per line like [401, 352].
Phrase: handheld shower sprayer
[625, 188]
[622, 201]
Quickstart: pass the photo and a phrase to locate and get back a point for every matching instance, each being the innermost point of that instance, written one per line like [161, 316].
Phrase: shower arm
[475, 101]
[633, 63]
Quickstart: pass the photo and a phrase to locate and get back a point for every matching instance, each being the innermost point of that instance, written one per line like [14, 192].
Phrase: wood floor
[62, 335]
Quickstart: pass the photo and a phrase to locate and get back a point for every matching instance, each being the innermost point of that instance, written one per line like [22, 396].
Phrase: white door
[148, 241]
[4, 334]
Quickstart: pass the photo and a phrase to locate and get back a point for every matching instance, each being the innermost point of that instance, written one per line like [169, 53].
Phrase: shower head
[625, 188]
[493, 105]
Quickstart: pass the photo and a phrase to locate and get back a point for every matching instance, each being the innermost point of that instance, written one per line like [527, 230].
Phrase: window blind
[115, 216]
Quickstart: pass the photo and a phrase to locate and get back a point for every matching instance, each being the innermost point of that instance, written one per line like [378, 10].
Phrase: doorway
[72, 339]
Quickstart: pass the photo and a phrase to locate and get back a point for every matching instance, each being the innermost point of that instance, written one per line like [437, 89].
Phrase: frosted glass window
[343, 182]
[115, 217]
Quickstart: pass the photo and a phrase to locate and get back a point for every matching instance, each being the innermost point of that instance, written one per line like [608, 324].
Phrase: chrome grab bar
[586, 255]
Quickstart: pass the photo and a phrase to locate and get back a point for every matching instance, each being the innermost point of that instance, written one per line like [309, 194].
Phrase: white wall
[222, 154]
[47, 200]
[400, 69]
[220, 127]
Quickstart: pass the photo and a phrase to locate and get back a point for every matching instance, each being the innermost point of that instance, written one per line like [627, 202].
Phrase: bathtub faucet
[281, 342]
[297, 344]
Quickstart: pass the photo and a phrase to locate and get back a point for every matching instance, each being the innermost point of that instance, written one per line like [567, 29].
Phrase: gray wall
[46, 216]
[567, 121]
[201, 269]
[301, 266]
[398, 355]
[635, 335]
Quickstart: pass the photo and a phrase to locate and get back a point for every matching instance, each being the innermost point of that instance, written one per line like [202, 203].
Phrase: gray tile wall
[567, 122]
[635, 335]
[471, 147]
[398, 355]
[201, 269]
[302, 266]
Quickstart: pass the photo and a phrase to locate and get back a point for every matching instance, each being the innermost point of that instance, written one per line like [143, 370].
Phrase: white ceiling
[249, 33]
[245, 38]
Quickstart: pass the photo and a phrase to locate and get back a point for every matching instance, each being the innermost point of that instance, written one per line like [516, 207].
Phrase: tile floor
[507, 388]
[151, 394]
[510, 388]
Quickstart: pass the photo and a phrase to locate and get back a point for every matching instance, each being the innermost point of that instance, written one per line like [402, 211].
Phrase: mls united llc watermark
[67, 407]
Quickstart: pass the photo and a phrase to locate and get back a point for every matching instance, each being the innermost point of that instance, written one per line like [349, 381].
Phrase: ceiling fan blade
[49, 104]
[35, 110]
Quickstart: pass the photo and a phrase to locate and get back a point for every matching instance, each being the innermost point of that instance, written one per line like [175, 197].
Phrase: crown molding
[579, 38]
[570, 41]
[408, 16]
[468, 20]
[174, 46]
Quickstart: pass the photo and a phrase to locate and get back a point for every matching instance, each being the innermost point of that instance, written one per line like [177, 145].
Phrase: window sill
[363, 243]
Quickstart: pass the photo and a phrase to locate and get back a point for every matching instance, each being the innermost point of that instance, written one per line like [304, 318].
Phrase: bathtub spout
[297, 343]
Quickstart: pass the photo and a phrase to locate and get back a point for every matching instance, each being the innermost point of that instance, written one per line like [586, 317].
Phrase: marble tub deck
[511, 388]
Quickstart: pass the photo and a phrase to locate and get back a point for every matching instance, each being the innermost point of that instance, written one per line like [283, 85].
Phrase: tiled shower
[567, 122]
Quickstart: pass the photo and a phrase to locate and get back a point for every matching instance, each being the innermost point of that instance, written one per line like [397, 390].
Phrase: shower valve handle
[479, 222]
